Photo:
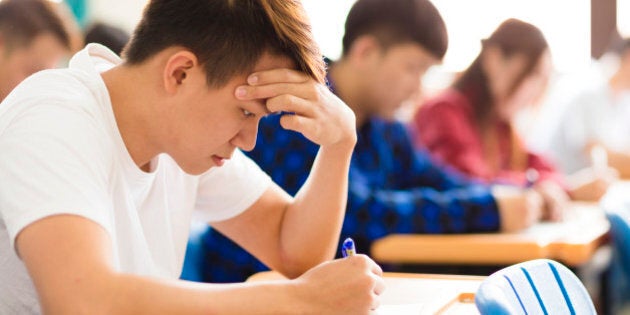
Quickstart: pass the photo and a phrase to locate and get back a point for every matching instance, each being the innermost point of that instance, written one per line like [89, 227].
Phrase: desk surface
[572, 242]
[408, 293]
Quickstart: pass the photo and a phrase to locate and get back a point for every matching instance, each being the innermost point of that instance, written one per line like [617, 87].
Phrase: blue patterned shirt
[392, 189]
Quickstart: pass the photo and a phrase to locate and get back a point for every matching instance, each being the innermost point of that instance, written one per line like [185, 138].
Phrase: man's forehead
[270, 61]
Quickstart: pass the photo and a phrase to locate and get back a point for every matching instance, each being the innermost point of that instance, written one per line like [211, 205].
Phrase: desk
[573, 242]
[433, 294]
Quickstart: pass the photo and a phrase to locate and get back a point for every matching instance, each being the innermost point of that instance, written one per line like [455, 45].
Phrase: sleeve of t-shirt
[51, 163]
[227, 191]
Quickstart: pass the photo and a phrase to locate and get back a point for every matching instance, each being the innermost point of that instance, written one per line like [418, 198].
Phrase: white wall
[121, 13]
[467, 23]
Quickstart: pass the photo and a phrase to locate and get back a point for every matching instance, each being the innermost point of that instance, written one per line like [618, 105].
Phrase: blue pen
[531, 176]
[347, 248]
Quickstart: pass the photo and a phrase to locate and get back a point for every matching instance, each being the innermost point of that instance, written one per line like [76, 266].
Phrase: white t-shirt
[595, 115]
[61, 153]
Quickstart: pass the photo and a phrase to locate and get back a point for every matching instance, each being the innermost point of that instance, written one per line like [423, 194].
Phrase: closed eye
[247, 113]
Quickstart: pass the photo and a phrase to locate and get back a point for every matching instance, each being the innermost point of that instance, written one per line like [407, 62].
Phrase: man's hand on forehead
[316, 112]
[265, 85]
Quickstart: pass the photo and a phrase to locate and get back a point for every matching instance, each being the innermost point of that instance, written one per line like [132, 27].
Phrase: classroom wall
[569, 40]
[120, 13]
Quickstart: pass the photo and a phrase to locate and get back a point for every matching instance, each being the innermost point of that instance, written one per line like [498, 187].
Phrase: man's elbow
[294, 267]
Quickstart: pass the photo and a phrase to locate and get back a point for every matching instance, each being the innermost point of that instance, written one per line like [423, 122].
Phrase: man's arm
[293, 235]
[70, 261]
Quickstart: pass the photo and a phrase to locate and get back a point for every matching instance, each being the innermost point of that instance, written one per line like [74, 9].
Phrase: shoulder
[56, 92]
[446, 109]
[54, 83]
[449, 101]
[53, 111]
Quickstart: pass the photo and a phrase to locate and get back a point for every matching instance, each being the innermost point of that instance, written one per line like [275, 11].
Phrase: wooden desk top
[408, 293]
[573, 242]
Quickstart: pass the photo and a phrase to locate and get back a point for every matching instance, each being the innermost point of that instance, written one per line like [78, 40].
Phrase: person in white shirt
[104, 164]
[594, 129]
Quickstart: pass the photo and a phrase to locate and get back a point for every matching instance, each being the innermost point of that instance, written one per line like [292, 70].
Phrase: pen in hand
[347, 248]
[531, 176]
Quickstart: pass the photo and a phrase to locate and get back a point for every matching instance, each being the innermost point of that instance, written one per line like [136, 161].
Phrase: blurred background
[576, 29]
[579, 33]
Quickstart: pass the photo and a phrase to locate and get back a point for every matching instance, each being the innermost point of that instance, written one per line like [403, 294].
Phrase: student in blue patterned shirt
[387, 47]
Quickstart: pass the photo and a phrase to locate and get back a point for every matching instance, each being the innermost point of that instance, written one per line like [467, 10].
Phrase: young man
[387, 47]
[103, 164]
[32, 38]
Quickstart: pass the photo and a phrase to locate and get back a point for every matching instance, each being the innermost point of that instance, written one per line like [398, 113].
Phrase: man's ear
[364, 49]
[177, 68]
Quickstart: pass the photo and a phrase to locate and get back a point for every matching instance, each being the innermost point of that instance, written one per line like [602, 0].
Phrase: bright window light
[470, 21]
[623, 22]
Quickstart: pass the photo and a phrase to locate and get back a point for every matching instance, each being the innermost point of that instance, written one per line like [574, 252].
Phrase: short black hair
[397, 21]
[227, 36]
[107, 35]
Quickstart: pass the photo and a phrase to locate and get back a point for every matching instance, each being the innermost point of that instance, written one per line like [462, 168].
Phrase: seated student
[104, 163]
[602, 112]
[469, 125]
[387, 47]
[32, 38]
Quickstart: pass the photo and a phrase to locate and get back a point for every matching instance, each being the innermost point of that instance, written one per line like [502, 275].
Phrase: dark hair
[228, 36]
[111, 37]
[397, 21]
[23, 20]
[511, 37]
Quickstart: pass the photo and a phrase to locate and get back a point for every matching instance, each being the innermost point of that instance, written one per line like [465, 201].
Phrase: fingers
[378, 282]
[277, 76]
[379, 286]
[376, 302]
[292, 104]
[249, 92]
[272, 83]
[299, 124]
[375, 268]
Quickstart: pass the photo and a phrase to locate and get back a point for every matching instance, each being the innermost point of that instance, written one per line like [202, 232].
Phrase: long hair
[512, 37]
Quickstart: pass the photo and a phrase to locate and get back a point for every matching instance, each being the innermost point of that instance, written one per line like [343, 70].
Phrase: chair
[540, 286]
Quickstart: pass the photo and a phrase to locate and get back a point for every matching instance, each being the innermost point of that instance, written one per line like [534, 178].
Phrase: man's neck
[348, 88]
[131, 104]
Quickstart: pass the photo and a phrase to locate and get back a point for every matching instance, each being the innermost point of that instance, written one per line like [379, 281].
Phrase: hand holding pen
[351, 285]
